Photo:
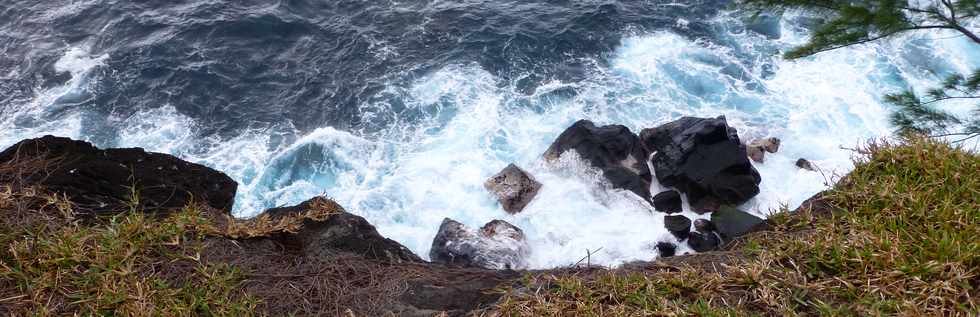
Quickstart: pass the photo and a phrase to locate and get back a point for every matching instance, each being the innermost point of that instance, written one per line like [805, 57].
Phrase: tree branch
[949, 98]
[953, 24]
[968, 33]
[952, 11]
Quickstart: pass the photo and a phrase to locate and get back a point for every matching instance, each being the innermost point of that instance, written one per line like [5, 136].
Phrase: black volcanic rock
[732, 223]
[341, 231]
[705, 238]
[703, 225]
[613, 149]
[668, 201]
[703, 158]
[102, 182]
[666, 249]
[704, 241]
[678, 225]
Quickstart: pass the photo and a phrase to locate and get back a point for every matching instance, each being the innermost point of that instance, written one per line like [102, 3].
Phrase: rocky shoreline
[702, 159]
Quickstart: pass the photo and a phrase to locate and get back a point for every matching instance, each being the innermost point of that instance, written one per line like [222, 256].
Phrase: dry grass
[902, 240]
[130, 265]
[319, 209]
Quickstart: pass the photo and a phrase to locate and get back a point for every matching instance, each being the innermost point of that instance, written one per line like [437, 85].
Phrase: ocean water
[401, 110]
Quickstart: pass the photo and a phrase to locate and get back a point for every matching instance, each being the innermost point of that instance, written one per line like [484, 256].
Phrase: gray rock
[757, 148]
[497, 245]
[514, 188]
[770, 144]
[757, 154]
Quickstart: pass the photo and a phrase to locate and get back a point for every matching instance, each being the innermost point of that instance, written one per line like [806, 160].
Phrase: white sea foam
[38, 116]
[459, 126]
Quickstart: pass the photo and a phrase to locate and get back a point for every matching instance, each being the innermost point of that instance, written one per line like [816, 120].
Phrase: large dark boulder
[497, 245]
[513, 187]
[703, 158]
[105, 182]
[613, 149]
[668, 201]
[678, 225]
[341, 231]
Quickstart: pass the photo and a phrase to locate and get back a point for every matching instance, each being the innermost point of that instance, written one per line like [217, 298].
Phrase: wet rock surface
[678, 225]
[757, 148]
[704, 159]
[668, 201]
[513, 187]
[613, 149]
[497, 245]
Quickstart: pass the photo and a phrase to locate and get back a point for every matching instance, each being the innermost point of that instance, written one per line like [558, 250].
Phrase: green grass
[902, 240]
[130, 265]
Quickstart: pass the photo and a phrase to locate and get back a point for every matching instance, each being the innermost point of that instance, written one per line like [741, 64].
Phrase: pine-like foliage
[856, 22]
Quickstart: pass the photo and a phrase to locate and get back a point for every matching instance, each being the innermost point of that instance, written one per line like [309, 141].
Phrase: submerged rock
[497, 245]
[613, 149]
[514, 188]
[104, 182]
[341, 231]
[668, 201]
[678, 225]
[704, 159]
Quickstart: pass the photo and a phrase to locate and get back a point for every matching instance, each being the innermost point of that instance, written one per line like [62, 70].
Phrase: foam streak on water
[458, 126]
